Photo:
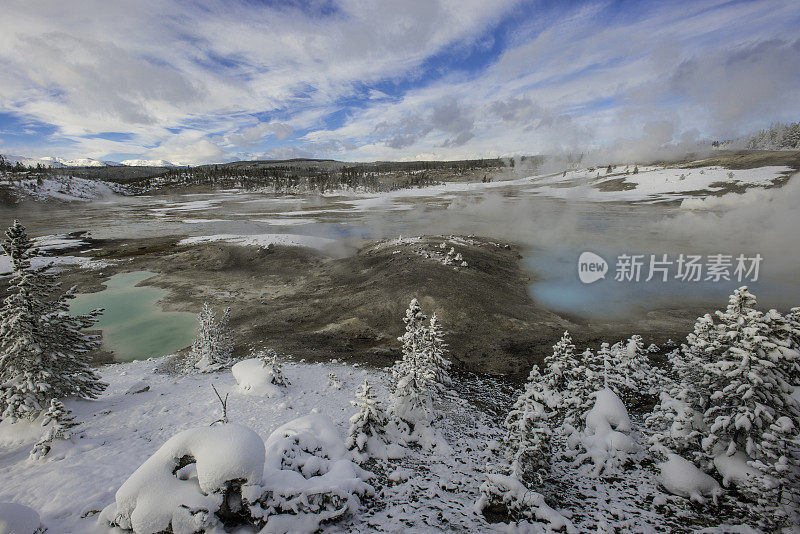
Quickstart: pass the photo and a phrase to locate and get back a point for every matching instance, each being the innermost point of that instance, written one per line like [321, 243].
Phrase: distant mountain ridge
[60, 163]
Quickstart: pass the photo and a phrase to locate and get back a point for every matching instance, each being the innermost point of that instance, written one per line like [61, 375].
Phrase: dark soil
[301, 302]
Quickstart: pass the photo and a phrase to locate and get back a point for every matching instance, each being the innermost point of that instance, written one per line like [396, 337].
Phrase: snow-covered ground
[49, 244]
[64, 189]
[263, 240]
[144, 407]
[653, 183]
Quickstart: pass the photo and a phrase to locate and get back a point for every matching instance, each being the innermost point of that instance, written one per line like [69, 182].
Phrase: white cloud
[234, 76]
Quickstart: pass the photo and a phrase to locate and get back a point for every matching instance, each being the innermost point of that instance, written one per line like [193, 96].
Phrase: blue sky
[194, 82]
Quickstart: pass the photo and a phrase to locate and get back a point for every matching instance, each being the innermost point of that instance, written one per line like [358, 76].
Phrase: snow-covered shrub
[308, 478]
[259, 377]
[274, 369]
[213, 346]
[59, 422]
[19, 519]
[367, 437]
[681, 477]
[333, 381]
[191, 483]
[605, 443]
[506, 495]
[43, 348]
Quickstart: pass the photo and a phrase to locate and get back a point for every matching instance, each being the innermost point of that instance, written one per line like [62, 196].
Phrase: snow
[64, 189]
[654, 184]
[681, 477]
[605, 442]
[84, 262]
[263, 240]
[18, 519]
[254, 378]
[608, 412]
[154, 498]
[147, 163]
[734, 469]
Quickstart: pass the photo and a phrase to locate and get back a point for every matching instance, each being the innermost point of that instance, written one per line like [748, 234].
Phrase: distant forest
[283, 176]
[776, 137]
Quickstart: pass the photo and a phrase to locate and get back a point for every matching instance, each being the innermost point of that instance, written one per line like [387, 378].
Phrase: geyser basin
[134, 325]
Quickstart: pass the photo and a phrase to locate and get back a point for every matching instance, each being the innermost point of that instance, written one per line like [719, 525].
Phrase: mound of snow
[308, 478]
[736, 470]
[608, 411]
[681, 477]
[510, 494]
[19, 519]
[255, 378]
[605, 442]
[184, 483]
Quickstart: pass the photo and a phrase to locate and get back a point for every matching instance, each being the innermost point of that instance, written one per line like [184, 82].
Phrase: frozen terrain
[145, 405]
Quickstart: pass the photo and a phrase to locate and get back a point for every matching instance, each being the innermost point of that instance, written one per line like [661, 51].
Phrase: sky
[202, 81]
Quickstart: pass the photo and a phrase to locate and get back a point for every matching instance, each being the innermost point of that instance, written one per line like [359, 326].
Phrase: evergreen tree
[561, 367]
[213, 345]
[414, 380]
[62, 422]
[369, 424]
[43, 348]
[435, 350]
[633, 373]
[751, 406]
[524, 451]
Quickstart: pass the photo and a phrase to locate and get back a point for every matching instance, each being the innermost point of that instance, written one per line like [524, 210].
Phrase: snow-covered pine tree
[563, 374]
[435, 350]
[43, 348]
[269, 360]
[637, 377]
[588, 378]
[414, 381]
[62, 422]
[213, 345]
[561, 366]
[676, 423]
[524, 450]
[751, 409]
[782, 334]
[369, 424]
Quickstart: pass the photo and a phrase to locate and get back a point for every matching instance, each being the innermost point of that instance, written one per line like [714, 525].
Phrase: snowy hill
[147, 163]
[62, 189]
[61, 163]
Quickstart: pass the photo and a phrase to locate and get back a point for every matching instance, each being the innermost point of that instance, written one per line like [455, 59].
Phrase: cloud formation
[212, 80]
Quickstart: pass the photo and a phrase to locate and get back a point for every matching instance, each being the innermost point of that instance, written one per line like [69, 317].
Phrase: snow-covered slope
[60, 163]
[63, 189]
[147, 163]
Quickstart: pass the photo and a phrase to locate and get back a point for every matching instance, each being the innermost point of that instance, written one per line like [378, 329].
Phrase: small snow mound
[510, 494]
[307, 477]
[254, 378]
[609, 411]
[681, 477]
[736, 470]
[19, 519]
[604, 443]
[164, 492]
